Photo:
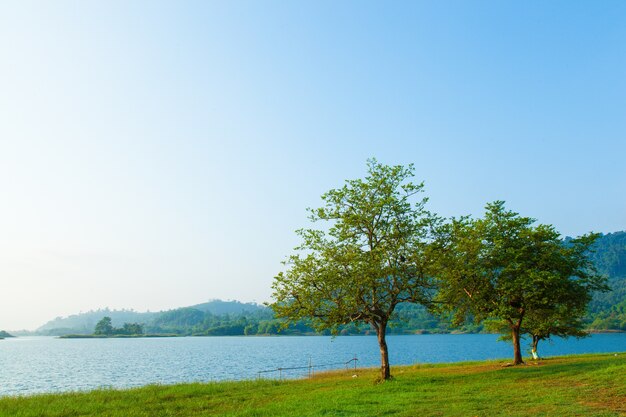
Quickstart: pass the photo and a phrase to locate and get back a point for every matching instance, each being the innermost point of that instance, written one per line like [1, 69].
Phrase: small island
[104, 330]
[4, 334]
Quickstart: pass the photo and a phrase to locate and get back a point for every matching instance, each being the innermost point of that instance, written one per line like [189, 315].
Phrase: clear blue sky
[159, 154]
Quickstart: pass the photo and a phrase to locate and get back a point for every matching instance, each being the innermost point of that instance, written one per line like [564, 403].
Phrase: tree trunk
[534, 348]
[381, 329]
[517, 351]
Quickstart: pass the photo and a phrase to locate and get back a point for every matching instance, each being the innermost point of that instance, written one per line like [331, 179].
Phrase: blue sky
[159, 154]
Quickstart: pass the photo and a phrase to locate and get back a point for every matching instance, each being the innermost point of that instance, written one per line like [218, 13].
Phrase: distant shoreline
[116, 336]
[419, 333]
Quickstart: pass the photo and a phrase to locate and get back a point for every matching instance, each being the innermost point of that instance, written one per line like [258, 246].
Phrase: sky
[155, 155]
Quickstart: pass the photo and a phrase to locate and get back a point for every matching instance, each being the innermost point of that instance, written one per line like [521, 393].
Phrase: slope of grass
[584, 385]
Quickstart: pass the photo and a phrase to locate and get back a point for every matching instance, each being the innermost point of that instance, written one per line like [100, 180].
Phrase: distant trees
[609, 256]
[105, 328]
[407, 319]
[369, 256]
[613, 318]
[181, 317]
[130, 329]
[501, 267]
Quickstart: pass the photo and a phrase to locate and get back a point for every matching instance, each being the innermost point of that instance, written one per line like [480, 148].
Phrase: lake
[31, 365]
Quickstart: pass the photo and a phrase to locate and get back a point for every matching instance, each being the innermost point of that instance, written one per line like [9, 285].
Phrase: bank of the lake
[32, 365]
[590, 385]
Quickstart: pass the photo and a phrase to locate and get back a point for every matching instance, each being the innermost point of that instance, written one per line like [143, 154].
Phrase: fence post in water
[309, 366]
[355, 359]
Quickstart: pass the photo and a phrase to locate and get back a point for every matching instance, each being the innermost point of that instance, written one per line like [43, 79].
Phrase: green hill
[84, 323]
[219, 307]
[213, 316]
[607, 311]
[610, 260]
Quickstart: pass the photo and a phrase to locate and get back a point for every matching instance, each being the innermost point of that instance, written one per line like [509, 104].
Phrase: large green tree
[368, 256]
[504, 268]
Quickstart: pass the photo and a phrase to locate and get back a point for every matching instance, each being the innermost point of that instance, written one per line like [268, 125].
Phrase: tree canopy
[104, 327]
[369, 255]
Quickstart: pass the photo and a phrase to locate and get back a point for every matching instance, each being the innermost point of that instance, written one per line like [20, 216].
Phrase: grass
[583, 385]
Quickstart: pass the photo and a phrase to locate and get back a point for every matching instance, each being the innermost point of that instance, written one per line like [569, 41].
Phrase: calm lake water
[44, 364]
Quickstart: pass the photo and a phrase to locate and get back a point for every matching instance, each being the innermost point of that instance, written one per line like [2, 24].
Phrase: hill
[610, 260]
[185, 320]
[84, 323]
[607, 311]
[219, 307]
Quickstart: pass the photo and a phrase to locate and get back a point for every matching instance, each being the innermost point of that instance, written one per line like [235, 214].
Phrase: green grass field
[586, 385]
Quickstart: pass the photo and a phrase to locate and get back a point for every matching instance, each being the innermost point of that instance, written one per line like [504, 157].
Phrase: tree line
[408, 318]
[105, 328]
[378, 247]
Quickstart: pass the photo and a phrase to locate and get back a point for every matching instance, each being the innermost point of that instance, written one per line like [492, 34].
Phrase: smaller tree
[563, 316]
[559, 322]
[544, 324]
[104, 327]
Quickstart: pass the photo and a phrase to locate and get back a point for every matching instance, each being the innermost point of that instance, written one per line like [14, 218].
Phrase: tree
[558, 322]
[369, 257]
[503, 268]
[130, 329]
[104, 327]
[562, 320]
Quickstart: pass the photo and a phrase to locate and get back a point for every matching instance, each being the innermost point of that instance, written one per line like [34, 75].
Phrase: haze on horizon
[161, 154]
